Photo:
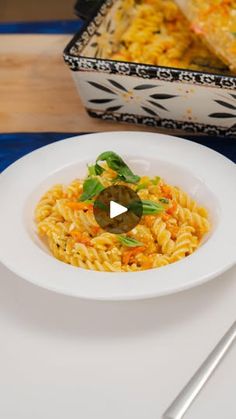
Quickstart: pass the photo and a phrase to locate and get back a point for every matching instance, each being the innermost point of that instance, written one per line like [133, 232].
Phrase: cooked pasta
[156, 32]
[215, 22]
[172, 226]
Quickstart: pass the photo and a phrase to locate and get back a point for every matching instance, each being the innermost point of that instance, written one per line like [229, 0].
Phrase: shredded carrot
[173, 229]
[79, 205]
[126, 257]
[147, 264]
[81, 237]
[165, 217]
[95, 230]
[172, 209]
[149, 220]
[166, 191]
[222, 7]
[128, 254]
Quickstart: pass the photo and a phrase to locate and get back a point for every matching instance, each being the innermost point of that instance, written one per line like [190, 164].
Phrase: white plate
[207, 175]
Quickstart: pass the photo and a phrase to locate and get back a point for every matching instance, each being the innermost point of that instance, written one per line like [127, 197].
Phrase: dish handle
[85, 9]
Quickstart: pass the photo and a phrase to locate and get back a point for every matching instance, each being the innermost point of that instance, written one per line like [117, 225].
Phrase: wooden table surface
[37, 91]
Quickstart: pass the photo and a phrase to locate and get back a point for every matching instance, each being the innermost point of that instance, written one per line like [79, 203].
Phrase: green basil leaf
[91, 188]
[156, 180]
[101, 205]
[128, 178]
[116, 163]
[129, 241]
[151, 208]
[141, 186]
[99, 169]
[95, 170]
[164, 200]
[91, 170]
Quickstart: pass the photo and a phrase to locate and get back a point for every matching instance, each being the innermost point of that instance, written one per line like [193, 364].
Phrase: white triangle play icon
[116, 209]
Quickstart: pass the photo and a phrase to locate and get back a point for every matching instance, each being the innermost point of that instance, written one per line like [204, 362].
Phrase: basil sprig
[151, 208]
[129, 241]
[145, 207]
[95, 170]
[116, 163]
[91, 188]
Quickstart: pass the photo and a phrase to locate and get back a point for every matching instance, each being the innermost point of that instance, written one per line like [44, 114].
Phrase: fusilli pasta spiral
[74, 237]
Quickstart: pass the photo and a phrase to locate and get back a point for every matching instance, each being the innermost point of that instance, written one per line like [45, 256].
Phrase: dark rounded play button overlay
[118, 209]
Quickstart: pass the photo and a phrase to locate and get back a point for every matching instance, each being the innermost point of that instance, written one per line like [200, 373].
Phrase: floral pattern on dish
[118, 95]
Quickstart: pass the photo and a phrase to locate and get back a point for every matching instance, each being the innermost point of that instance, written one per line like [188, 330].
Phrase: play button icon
[118, 209]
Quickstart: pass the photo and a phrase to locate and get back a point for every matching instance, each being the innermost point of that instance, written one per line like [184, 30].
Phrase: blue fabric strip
[48, 27]
[14, 146]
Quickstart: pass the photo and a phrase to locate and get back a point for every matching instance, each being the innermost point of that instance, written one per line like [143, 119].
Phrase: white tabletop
[62, 357]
